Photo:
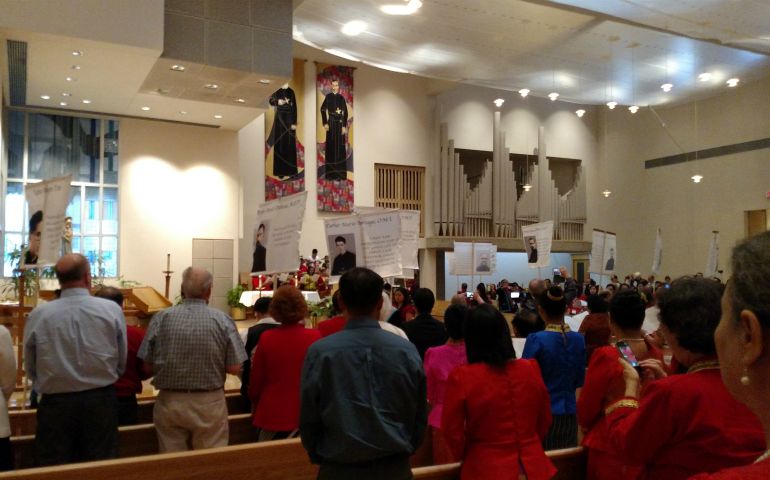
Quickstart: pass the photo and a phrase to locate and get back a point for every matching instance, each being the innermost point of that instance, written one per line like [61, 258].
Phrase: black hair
[110, 293]
[481, 289]
[262, 305]
[627, 310]
[691, 310]
[336, 303]
[340, 238]
[315, 250]
[597, 304]
[552, 301]
[424, 300]
[749, 287]
[407, 297]
[454, 320]
[526, 321]
[487, 339]
[360, 290]
[35, 220]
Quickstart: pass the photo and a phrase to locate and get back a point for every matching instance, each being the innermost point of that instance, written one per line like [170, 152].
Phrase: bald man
[74, 351]
[189, 348]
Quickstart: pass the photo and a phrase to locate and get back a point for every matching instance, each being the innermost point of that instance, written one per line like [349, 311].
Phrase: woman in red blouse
[604, 385]
[277, 366]
[684, 424]
[496, 408]
[402, 302]
[743, 344]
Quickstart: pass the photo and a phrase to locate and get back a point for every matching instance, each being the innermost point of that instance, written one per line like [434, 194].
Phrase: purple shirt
[439, 363]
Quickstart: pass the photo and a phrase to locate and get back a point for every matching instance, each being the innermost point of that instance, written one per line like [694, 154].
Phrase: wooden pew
[282, 459]
[134, 441]
[24, 422]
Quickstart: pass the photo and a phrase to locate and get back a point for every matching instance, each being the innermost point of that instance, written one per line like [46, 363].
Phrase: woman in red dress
[402, 302]
[496, 409]
[604, 385]
[743, 344]
[684, 424]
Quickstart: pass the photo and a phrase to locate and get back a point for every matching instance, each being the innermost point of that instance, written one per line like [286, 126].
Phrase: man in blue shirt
[363, 404]
[74, 350]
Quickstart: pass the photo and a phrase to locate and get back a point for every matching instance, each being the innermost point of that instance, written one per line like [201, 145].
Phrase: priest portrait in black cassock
[334, 115]
[283, 135]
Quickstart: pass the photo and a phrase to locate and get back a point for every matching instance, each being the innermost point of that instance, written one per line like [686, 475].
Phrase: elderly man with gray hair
[189, 348]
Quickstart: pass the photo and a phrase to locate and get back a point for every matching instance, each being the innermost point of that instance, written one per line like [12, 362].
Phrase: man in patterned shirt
[188, 348]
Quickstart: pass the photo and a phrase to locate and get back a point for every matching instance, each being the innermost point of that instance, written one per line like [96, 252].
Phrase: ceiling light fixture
[211, 86]
[182, 112]
[75, 67]
[86, 101]
[354, 28]
[77, 53]
[524, 92]
[63, 104]
[178, 68]
[580, 113]
[612, 105]
[264, 81]
[733, 82]
[606, 193]
[633, 108]
[240, 100]
[697, 178]
[341, 54]
[217, 116]
[45, 97]
[65, 94]
[553, 96]
[410, 8]
[704, 77]
[146, 109]
[70, 79]
[666, 87]
[527, 187]
[498, 102]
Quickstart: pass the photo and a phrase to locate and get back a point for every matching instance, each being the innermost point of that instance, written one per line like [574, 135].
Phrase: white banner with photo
[484, 258]
[712, 264]
[603, 253]
[538, 239]
[47, 205]
[277, 234]
[381, 233]
[409, 237]
[657, 255]
[343, 239]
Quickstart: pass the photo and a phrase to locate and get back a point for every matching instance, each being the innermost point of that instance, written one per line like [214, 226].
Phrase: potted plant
[237, 309]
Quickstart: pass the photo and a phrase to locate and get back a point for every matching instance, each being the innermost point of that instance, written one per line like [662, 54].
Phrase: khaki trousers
[190, 421]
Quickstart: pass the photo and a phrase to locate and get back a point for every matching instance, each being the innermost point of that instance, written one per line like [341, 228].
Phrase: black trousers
[128, 410]
[77, 427]
[6, 454]
[395, 467]
[562, 434]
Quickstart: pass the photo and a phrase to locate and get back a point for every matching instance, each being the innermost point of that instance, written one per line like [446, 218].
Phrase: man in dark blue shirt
[363, 401]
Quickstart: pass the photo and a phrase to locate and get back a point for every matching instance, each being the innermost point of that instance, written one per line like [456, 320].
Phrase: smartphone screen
[469, 294]
[515, 294]
[627, 353]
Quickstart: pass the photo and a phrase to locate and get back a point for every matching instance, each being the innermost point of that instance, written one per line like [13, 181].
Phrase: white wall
[177, 183]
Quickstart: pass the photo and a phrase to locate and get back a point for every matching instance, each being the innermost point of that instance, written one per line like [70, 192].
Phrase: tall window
[398, 186]
[42, 146]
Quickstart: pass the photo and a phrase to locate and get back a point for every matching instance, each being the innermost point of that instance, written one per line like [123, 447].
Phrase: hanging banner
[380, 239]
[47, 204]
[657, 255]
[463, 258]
[712, 265]
[603, 253]
[410, 238]
[484, 260]
[538, 239]
[609, 253]
[276, 235]
[334, 138]
[284, 131]
[343, 239]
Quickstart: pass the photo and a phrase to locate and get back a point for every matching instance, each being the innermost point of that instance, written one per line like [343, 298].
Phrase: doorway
[756, 222]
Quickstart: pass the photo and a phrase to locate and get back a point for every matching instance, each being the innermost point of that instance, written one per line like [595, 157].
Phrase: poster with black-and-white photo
[343, 239]
[603, 253]
[538, 239]
[277, 233]
[484, 258]
[47, 202]
[380, 238]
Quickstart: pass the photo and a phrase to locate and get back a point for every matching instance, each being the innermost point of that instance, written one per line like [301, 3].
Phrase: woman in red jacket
[743, 344]
[277, 366]
[496, 410]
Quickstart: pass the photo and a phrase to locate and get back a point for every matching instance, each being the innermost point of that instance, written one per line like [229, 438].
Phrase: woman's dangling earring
[745, 378]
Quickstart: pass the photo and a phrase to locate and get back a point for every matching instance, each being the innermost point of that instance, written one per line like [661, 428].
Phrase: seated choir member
[562, 358]
[277, 366]
[496, 409]
[743, 344]
[439, 363]
[604, 385]
[684, 424]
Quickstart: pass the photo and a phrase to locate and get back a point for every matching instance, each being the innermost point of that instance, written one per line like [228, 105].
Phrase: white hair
[196, 282]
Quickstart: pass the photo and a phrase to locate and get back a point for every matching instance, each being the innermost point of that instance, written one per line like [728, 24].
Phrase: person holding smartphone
[604, 384]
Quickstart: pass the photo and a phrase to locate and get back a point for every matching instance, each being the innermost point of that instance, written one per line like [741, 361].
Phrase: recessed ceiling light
[77, 53]
[499, 102]
[146, 109]
[75, 67]
[580, 113]
[70, 79]
[697, 178]
[606, 193]
[553, 96]
[353, 28]
[704, 77]
[408, 9]
[63, 104]
[211, 86]
[86, 101]
[178, 68]
[65, 94]
[527, 187]
[264, 81]
[163, 91]
[217, 116]
[182, 112]
[240, 100]
[45, 97]
[612, 105]
[633, 108]
[733, 82]
[666, 87]
[524, 92]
